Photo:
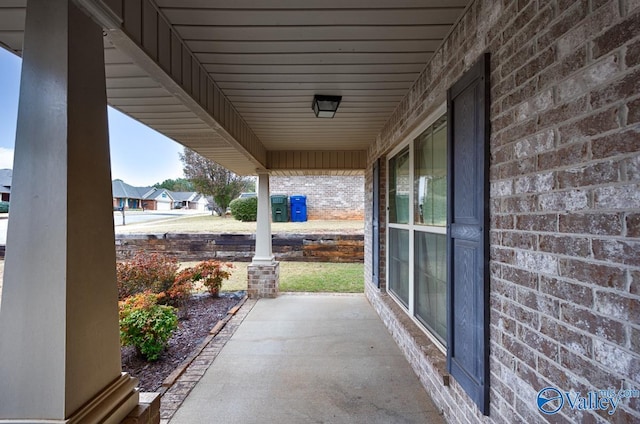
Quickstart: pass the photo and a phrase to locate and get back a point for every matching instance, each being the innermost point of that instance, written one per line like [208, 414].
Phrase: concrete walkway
[309, 359]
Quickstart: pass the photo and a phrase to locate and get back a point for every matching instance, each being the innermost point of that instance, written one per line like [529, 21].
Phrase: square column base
[147, 411]
[264, 280]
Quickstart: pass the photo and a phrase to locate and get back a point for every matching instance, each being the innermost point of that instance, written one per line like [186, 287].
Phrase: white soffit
[270, 57]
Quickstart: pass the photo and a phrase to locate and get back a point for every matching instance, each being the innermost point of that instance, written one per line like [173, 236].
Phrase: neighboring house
[127, 196]
[158, 199]
[189, 200]
[150, 198]
[328, 197]
[5, 184]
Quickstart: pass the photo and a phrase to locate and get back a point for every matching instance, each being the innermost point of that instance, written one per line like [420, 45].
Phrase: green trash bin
[279, 208]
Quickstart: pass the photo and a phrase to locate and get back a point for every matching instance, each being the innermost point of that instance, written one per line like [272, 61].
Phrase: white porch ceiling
[269, 57]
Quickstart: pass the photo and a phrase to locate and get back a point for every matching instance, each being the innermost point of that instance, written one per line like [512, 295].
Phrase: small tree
[211, 178]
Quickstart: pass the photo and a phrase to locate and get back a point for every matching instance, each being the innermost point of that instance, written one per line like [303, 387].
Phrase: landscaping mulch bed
[204, 311]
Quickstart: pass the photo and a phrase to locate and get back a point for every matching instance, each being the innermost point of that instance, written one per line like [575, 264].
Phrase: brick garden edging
[240, 247]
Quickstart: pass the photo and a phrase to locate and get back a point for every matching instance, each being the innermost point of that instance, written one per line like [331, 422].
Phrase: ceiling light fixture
[325, 106]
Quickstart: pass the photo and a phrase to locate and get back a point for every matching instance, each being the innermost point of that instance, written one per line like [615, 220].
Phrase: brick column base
[264, 281]
[147, 411]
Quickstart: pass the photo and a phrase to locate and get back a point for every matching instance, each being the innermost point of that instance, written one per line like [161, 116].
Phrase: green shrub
[245, 209]
[146, 325]
[153, 272]
[4, 207]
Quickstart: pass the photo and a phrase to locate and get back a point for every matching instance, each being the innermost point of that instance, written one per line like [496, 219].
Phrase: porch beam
[328, 162]
[171, 63]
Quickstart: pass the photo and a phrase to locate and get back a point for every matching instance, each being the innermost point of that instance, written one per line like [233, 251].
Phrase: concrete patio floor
[309, 359]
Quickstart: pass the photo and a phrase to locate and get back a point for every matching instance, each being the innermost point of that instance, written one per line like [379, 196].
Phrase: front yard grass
[313, 277]
[318, 277]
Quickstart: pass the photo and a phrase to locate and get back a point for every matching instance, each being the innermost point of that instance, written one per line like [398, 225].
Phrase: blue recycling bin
[298, 206]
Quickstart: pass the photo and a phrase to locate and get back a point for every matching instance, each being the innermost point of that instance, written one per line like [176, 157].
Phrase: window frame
[411, 226]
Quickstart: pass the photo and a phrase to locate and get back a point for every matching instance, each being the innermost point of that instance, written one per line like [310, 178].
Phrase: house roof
[200, 199]
[126, 191]
[184, 196]
[156, 194]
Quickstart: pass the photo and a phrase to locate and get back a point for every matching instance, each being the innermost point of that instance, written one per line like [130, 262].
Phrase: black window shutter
[375, 233]
[467, 235]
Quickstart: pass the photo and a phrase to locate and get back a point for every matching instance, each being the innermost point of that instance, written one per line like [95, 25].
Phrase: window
[417, 272]
[438, 239]
[399, 187]
[430, 185]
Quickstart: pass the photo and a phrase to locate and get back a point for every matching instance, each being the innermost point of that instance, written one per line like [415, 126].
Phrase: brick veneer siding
[327, 197]
[565, 203]
[263, 281]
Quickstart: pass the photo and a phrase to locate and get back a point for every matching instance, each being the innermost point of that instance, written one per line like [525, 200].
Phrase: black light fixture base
[325, 106]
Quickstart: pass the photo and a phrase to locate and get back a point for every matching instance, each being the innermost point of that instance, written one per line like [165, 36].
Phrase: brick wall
[327, 197]
[565, 202]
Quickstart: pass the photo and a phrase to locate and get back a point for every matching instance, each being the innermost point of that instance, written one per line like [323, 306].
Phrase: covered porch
[221, 91]
[499, 144]
[301, 358]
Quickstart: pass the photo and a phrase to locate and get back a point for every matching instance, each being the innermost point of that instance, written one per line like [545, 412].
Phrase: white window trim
[408, 141]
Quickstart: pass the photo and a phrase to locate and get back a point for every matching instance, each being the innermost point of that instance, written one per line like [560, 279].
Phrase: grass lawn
[216, 224]
[304, 277]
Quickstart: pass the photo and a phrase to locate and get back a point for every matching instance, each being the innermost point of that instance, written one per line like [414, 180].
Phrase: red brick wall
[565, 201]
[327, 197]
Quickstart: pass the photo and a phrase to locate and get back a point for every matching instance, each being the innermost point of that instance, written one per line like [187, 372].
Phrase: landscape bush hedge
[150, 290]
[245, 209]
[210, 273]
[153, 272]
[146, 325]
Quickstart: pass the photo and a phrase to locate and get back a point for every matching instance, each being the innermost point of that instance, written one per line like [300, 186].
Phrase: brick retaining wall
[241, 247]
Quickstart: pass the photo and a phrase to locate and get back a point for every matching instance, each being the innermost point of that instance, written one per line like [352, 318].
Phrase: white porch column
[59, 341]
[264, 251]
[264, 271]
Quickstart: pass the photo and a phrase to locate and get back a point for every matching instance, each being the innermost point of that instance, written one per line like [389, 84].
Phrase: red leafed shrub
[181, 289]
[154, 272]
[211, 273]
